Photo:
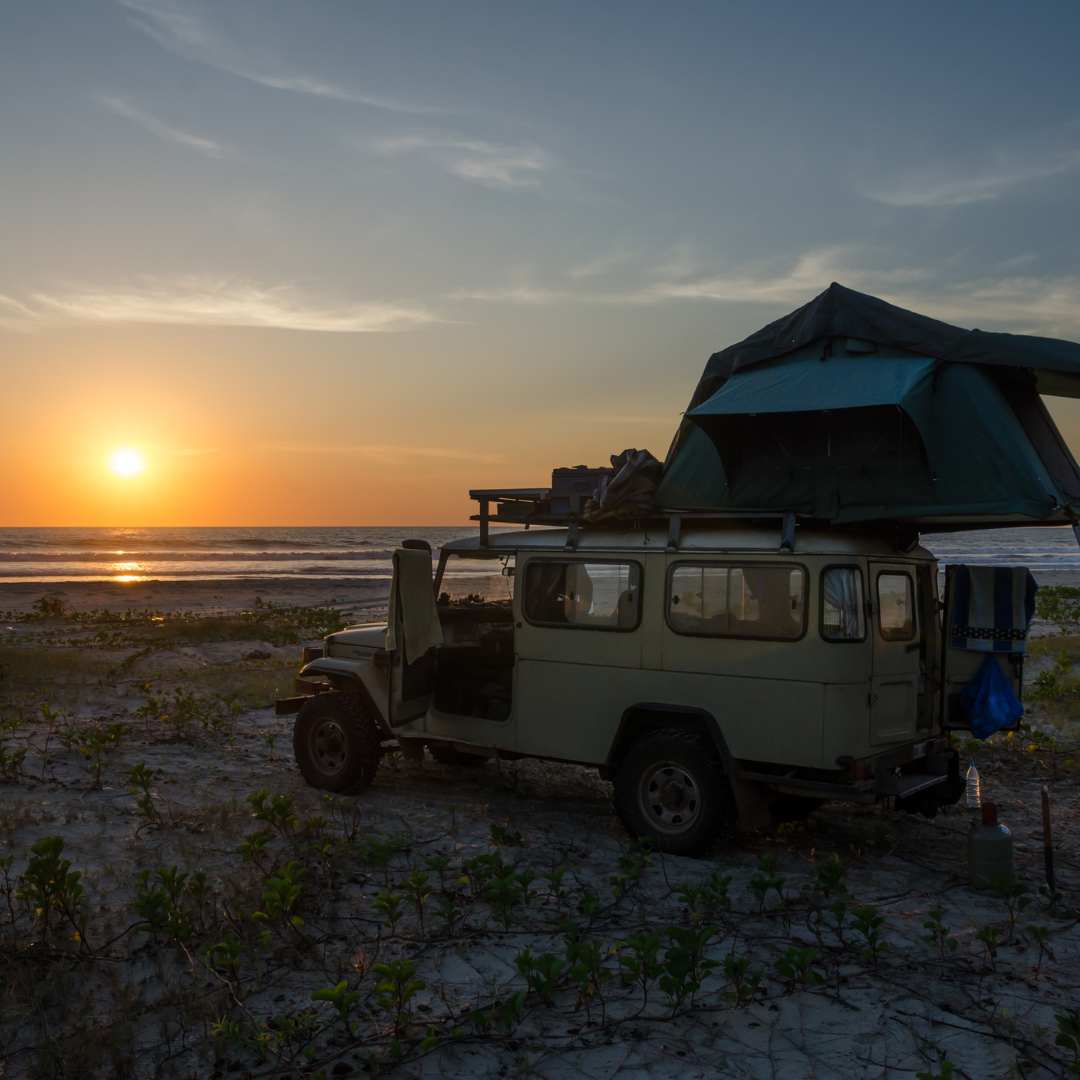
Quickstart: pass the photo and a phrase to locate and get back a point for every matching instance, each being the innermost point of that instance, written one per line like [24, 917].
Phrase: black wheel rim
[670, 798]
[329, 749]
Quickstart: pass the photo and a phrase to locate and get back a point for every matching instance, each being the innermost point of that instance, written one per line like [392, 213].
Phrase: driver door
[413, 635]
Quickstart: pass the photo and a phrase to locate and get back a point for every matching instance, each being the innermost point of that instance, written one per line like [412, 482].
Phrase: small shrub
[796, 965]
[940, 934]
[868, 923]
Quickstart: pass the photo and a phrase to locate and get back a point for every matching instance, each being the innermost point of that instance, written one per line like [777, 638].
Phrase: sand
[198, 595]
[130, 1002]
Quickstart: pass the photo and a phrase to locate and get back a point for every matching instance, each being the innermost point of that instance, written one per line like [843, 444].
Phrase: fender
[345, 672]
[752, 809]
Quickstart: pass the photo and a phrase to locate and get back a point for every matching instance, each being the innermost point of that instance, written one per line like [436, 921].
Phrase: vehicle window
[843, 613]
[468, 580]
[896, 603]
[737, 601]
[590, 595]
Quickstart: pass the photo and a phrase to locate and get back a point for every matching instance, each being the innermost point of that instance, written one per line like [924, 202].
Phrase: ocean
[73, 554]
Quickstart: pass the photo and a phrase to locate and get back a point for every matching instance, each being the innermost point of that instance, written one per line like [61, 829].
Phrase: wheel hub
[328, 746]
[670, 797]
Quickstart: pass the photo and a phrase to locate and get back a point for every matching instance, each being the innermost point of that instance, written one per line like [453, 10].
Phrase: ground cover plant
[174, 901]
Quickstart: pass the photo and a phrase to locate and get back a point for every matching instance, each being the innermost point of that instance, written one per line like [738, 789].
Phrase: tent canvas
[851, 409]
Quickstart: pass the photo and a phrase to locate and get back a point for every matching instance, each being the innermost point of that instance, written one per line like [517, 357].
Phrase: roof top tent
[853, 410]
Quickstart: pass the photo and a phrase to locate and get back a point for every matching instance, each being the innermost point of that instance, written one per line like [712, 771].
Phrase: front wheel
[671, 788]
[336, 743]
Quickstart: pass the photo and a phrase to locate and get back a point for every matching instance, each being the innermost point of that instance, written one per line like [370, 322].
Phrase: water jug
[973, 799]
[990, 849]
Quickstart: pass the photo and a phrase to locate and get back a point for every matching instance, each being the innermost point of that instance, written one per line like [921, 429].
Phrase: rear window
[750, 601]
[896, 602]
[587, 595]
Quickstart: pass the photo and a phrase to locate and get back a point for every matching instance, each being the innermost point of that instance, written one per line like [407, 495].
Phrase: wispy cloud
[508, 167]
[175, 27]
[389, 452]
[1001, 298]
[1048, 154]
[209, 302]
[195, 452]
[164, 131]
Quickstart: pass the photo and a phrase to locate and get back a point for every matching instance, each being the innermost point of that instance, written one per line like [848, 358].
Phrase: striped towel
[994, 608]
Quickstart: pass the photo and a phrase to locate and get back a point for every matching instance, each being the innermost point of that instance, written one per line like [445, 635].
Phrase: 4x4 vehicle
[711, 671]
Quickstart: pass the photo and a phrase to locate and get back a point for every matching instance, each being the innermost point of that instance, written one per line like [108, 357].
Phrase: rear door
[960, 666]
[894, 687]
[578, 641]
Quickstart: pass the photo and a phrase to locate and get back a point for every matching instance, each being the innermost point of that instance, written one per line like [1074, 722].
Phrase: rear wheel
[446, 754]
[671, 788]
[337, 743]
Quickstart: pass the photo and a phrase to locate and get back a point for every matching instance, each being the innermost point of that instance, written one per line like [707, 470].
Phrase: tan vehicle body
[786, 711]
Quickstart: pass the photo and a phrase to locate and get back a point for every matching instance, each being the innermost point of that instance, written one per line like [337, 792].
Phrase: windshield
[469, 579]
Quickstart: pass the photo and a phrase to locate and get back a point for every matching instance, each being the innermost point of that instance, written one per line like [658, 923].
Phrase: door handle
[871, 699]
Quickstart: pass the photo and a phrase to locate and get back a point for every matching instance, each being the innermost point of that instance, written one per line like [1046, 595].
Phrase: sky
[329, 262]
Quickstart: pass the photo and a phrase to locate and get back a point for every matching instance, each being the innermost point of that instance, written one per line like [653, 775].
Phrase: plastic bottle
[990, 849]
[973, 799]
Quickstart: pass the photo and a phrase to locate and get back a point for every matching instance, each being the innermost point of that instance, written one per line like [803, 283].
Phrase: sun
[126, 462]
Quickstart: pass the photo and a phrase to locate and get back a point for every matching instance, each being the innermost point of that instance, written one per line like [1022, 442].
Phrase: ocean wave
[192, 556]
[159, 573]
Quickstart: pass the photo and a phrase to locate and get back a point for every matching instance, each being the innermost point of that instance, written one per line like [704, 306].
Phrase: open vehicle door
[987, 612]
[412, 637]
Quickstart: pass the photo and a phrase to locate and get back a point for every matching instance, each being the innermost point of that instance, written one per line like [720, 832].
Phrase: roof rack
[534, 506]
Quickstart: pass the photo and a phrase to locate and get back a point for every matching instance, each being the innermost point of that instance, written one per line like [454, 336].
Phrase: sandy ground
[123, 1001]
[203, 596]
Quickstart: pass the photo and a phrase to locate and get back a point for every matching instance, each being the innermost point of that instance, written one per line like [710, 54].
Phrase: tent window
[590, 596]
[843, 613]
[896, 604]
[737, 601]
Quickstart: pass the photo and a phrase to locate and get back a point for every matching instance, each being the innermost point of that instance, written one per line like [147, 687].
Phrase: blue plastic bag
[989, 701]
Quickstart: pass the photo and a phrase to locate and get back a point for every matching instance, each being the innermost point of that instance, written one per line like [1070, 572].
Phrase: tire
[337, 743]
[671, 788]
[794, 807]
[449, 755]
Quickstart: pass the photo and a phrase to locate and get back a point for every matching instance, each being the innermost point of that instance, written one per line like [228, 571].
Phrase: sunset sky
[335, 263]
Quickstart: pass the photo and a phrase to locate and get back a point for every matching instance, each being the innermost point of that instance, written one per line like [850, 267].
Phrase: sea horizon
[74, 553]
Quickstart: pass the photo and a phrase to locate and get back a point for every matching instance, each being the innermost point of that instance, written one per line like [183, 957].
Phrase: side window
[589, 595]
[843, 613]
[737, 601]
[896, 604]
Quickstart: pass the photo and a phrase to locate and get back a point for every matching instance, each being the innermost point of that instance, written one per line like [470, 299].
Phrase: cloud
[173, 26]
[163, 131]
[941, 185]
[507, 167]
[1002, 299]
[387, 453]
[209, 302]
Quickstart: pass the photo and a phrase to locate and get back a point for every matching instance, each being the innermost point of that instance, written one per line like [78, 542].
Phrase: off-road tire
[671, 787]
[337, 743]
[450, 755]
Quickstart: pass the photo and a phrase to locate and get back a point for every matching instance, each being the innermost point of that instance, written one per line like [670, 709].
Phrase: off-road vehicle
[711, 668]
